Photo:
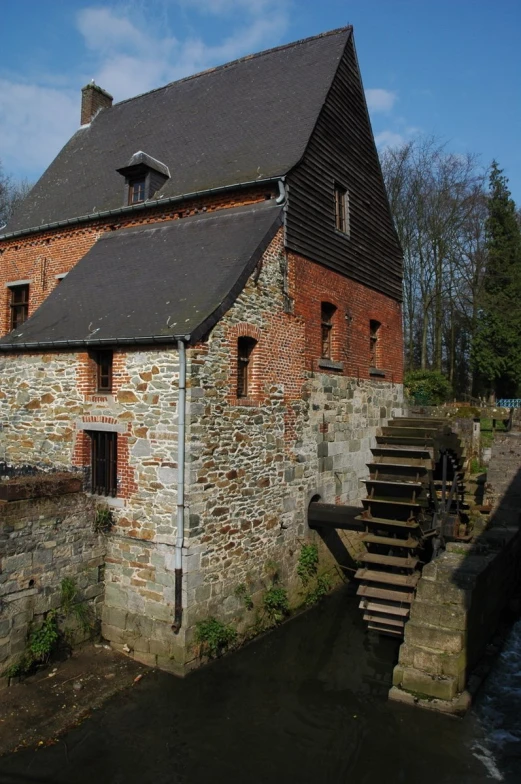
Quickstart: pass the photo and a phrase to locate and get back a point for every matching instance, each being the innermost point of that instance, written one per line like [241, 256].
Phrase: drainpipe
[178, 558]
[281, 198]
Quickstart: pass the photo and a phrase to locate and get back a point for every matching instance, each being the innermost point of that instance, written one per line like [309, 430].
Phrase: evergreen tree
[497, 345]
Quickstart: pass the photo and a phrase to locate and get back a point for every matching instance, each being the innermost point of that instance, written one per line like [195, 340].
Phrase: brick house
[200, 310]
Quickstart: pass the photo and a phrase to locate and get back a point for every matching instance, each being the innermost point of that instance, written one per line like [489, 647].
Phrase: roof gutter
[61, 344]
[134, 208]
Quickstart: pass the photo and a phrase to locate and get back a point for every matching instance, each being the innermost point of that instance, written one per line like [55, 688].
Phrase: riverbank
[39, 709]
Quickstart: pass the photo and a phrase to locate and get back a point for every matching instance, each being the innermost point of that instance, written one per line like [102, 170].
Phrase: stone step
[389, 560]
[373, 576]
[372, 592]
[390, 541]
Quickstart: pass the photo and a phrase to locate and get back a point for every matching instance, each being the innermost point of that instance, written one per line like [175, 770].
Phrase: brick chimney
[93, 98]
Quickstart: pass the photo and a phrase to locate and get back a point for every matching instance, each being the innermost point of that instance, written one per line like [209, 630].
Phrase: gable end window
[374, 327]
[136, 191]
[19, 305]
[104, 361]
[245, 347]
[104, 460]
[341, 209]
[327, 311]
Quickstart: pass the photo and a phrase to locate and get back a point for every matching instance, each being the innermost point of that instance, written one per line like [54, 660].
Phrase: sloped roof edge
[196, 268]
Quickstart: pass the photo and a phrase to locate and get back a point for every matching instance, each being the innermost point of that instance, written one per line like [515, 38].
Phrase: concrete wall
[41, 542]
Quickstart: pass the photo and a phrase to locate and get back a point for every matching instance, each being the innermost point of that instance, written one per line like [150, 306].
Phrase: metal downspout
[281, 198]
[178, 557]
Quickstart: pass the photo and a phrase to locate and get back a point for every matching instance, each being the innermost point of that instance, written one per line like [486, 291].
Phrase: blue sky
[449, 68]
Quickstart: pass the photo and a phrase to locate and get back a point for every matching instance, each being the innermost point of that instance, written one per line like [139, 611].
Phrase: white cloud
[135, 55]
[36, 121]
[379, 100]
[389, 139]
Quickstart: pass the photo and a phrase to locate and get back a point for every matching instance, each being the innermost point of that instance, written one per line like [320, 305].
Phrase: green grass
[487, 433]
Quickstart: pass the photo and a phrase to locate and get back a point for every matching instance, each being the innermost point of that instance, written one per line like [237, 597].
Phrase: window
[103, 360]
[245, 346]
[104, 462]
[374, 326]
[326, 318]
[136, 191]
[19, 305]
[341, 209]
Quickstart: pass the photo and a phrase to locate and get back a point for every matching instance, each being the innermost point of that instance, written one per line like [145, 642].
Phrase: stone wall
[43, 541]
[504, 475]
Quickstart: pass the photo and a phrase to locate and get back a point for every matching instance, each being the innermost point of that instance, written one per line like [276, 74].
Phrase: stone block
[441, 640]
[420, 683]
[116, 597]
[442, 593]
[149, 659]
[398, 675]
[114, 616]
[113, 634]
[450, 616]
[5, 627]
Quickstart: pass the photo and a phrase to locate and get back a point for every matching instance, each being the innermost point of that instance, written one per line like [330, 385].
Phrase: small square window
[19, 305]
[136, 192]
[104, 360]
[341, 209]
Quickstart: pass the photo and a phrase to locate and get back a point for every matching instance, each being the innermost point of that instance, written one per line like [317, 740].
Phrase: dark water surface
[306, 703]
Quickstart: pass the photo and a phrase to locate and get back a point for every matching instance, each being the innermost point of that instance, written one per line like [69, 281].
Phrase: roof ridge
[242, 59]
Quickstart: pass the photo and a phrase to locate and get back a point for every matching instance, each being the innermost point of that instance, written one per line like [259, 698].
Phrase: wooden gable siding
[342, 151]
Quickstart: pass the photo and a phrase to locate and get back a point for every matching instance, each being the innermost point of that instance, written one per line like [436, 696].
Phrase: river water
[306, 703]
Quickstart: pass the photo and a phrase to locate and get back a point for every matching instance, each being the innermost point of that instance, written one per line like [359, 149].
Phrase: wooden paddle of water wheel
[414, 498]
[414, 493]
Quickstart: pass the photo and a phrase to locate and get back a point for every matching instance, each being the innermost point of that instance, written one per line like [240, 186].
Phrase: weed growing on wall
[104, 520]
[276, 603]
[214, 637]
[44, 641]
[307, 565]
[242, 593]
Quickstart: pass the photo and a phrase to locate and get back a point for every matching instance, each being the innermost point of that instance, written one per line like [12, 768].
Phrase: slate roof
[153, 283]
[248, 120]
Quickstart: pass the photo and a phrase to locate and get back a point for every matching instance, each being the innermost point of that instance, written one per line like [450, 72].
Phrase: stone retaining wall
[461, 594]
[41, 542]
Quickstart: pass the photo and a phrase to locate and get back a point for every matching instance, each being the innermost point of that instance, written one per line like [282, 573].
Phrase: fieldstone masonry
[41, 542]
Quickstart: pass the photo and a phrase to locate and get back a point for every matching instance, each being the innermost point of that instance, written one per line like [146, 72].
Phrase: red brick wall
[310, 284]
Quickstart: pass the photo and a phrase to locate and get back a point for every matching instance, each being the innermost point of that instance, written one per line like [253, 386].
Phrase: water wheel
[414, 500]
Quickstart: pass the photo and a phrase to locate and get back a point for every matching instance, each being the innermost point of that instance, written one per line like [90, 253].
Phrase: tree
[11, 194]
[497, 345]
[437, 200]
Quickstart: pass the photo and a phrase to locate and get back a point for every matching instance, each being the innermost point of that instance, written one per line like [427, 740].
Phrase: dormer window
[136, 191]
[144, 177]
